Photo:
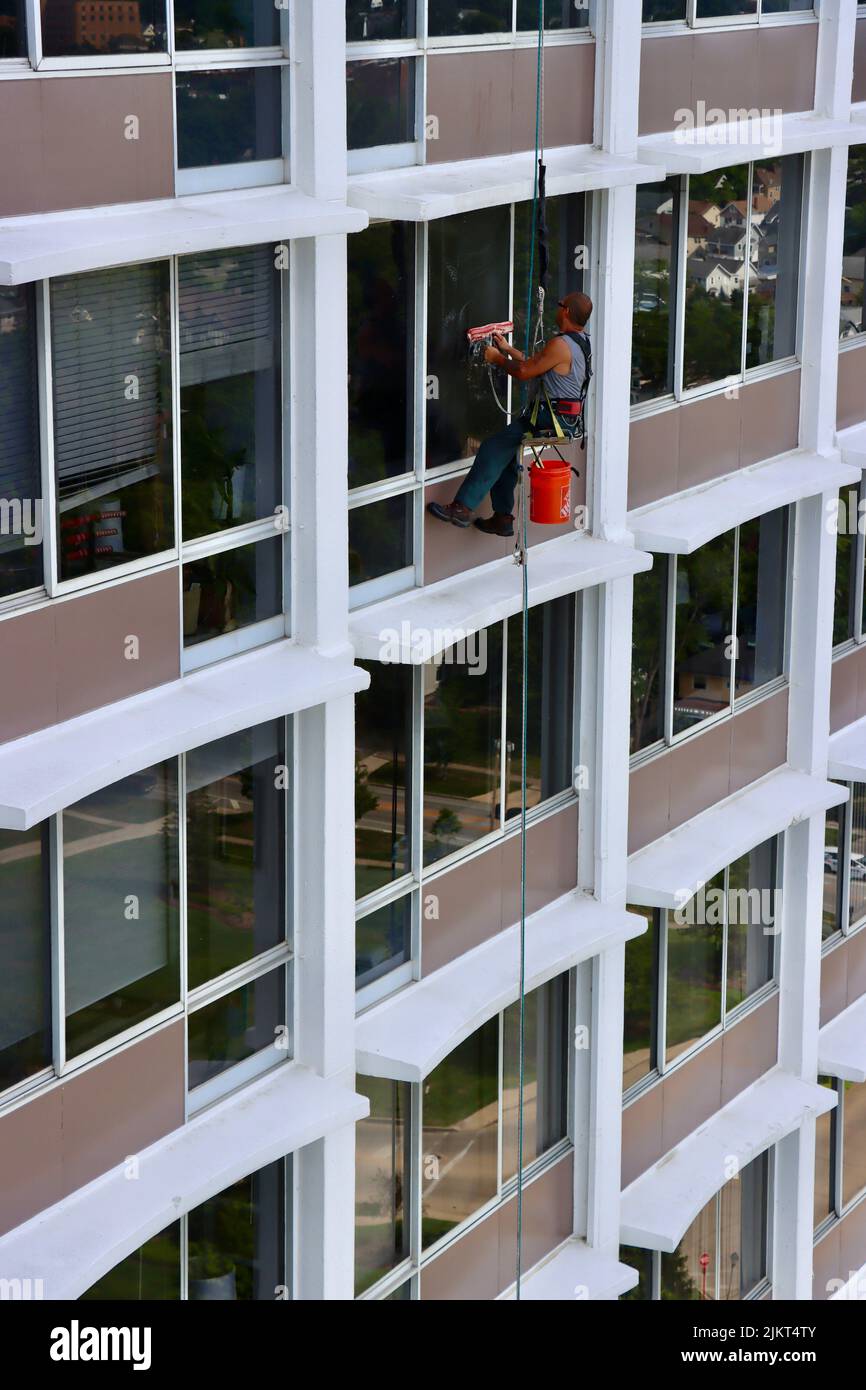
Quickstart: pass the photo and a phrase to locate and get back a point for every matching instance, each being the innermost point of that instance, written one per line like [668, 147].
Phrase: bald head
[578, 306]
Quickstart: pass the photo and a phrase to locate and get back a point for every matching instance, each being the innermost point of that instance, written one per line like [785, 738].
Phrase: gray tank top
[568, 386]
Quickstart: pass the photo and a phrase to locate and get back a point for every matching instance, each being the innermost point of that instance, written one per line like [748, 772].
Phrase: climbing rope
[521, 557]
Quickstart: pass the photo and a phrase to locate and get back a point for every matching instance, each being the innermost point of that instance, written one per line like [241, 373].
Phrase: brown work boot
[455, 512]
[499, 524]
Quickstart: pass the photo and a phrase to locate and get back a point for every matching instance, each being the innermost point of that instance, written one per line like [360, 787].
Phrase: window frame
[263, 529]
[726, 22]
[735, 703]
[420, 1257]
[420, 877]
[419, 477]
[844, 928]
[190, 1001]
[729, 1017]
[679, 394]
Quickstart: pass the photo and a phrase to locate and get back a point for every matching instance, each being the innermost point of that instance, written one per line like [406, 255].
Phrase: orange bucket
[550, 494]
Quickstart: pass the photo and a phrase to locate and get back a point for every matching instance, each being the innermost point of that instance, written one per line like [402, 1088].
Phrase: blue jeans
[496, 466]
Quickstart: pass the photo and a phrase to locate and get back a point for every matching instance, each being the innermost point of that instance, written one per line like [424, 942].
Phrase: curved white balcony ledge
[70, 1245]
[66, 243]
[842, 1044]
[669, 871]
[420, 625]
[574, 1270]
[659, 1206]
[846, 757]
[44, 772]
[680, 525]
[408, 1034]
[851, 444]
[705, 147]
[425, 192]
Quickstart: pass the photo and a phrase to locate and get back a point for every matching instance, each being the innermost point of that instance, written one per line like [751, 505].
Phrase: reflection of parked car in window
[831, 859]
[858, 866]
[648, 303]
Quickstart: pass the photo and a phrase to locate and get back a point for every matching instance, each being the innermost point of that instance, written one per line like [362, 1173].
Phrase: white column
[324, 871]
[812, 599]
[608, 614]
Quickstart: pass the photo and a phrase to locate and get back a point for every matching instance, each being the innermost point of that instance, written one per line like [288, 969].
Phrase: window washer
[562, 366]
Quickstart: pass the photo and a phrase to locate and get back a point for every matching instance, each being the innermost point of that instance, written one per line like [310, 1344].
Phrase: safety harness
[568, 416]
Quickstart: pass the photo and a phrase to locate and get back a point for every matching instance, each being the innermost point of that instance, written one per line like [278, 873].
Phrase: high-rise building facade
[381, 918]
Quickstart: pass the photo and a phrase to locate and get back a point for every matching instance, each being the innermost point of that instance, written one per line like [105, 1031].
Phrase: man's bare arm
[554, 356]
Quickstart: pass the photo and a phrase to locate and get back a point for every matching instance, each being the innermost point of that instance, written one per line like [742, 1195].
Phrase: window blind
[19, 401]
[229, 314]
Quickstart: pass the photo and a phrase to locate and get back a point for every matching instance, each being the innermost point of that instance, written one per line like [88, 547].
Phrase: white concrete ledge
[846, 757]
[419, 625]
[851, 444]
[574, 1270]
[842, 1044]
[66, 243]
[407, 1035]
[703, 148]
[75, 1242]
[680, 525]
[428, 191]
[659, 1206]
[669, 871]
[44, 772]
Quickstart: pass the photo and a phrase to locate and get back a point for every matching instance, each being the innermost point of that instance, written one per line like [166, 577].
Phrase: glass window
[462, 744]
[460, 1140]
[702, 631]
[228, 116]
[380, 102]
[558, 14]
[21, 521]
[235, 1026]
[762, 566]
[642, 1261]
[381, 1176]
[723, 1254]
[853, 1141]
[71, 28]
[649, 626]
[545, 1075]
[455, 17]
[662, 11]
[25, 956]
[13, 29]
[716, 254]
[825, 1160]
[550, 704]
[236, 1241]
[743, 1231]
[232, 589]
[777, 195]
[234, 1247]
[202, 24]
[381, 278]
[151, 1273]
[726, 9]
[856, 813]
[231, 436]
[831, 920]
[751, 906]
[693, 986]
[120, 906]
[566, 245]
[111, 357]
[848, 597]
[854, 246]
[383, 785]
[236, 836]
[389, 19]
[383, 940]
[655, 259]
[467, 286]
[381, 539]
[641, 993]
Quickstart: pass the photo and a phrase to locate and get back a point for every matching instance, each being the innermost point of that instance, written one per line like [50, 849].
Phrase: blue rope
[525, 680]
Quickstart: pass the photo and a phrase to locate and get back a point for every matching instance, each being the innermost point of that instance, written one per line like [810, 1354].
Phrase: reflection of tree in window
[656, 215]
[649, 622]
[854, 245]
[462, 732]
[380, 291]
[458, 17]
[382, 1140]
[639, 1048]
[383, 739]
[694, 970]
[702, 648]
